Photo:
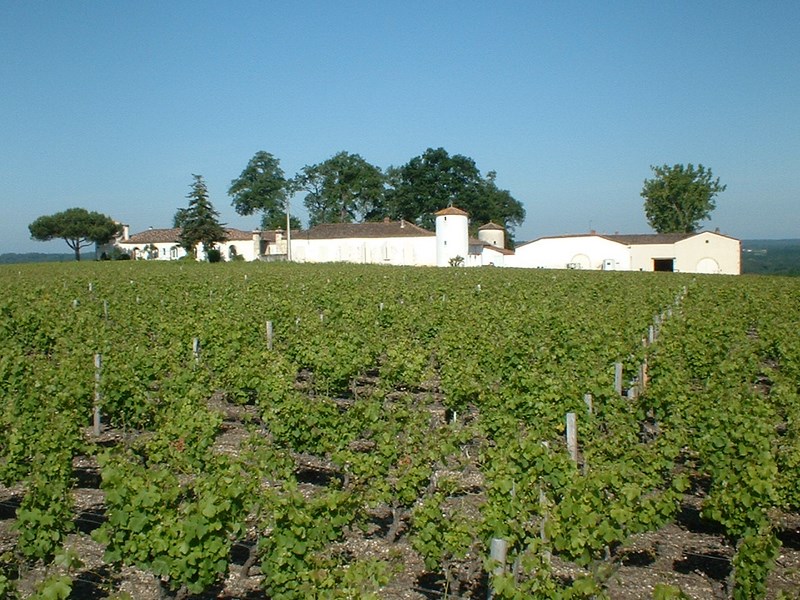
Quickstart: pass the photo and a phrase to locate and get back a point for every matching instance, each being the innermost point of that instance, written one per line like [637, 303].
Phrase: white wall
[705, 252]
[698, 254]
[419, 251]
[585, 252]
[452, 238]
[166, 250]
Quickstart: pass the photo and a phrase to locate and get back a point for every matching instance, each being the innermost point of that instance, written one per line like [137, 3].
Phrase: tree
[431, 182]
[76, 226]
[498, 206]
[679, 197]
[342, 189]
[262, 187]
[199, 222]
[435, 180]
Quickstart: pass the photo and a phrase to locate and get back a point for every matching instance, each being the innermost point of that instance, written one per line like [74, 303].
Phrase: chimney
[126, 232]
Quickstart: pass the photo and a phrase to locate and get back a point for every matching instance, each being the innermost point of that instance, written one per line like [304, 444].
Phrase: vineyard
[253, 430]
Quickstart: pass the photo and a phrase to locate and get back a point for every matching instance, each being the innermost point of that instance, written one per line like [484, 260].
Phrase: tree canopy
[342, 189]
[435, 180]
[76, 226]
[199, 222]
[262, 187]
[679, 197]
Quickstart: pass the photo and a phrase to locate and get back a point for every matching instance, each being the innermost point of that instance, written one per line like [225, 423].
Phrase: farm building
[702, 252]
[164, 244]
[404, 243]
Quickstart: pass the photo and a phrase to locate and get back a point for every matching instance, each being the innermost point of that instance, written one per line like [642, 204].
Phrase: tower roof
[491, 226]
[451, 210]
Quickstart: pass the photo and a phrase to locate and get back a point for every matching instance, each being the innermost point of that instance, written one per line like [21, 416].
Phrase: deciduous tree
[76, 226]
[262, 187]
[342, 189]
[435, 180]
[679, 197]
[199, 222]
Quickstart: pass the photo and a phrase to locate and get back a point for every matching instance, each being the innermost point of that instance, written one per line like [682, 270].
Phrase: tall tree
[76, 226]
[199, 222]
[498, 206]
[262, 187]
[434, 180]
[679, 197]
[342, 189]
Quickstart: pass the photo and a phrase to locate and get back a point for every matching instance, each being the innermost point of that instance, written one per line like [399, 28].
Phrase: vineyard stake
[196, 349]
[96, 425]
[105, 309]
[498, 549]
[572, 437]
[618, 378]
[651, 334]
[587, 398]
[269, 335]
[643, 375]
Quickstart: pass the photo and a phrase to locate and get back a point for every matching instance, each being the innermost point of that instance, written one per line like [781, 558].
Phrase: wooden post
[498, 549]
[105, 309]
[90, 287]
[643, 375]
[196, 349]
[269, 335]
[651, 334]
[618, 378]
[543, 522]
[587, 399]
[572, 437]
[96, 425]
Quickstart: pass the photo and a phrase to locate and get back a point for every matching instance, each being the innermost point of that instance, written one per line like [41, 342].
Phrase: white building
[403, 243]
[164, 244]
[703, 252]
[387, 242]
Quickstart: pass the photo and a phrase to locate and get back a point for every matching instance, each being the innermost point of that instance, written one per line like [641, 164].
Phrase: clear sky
[112, 106]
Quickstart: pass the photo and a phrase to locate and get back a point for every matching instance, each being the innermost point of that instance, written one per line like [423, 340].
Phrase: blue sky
[112, 106]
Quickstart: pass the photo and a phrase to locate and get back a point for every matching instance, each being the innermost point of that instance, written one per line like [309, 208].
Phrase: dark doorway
[663, 264]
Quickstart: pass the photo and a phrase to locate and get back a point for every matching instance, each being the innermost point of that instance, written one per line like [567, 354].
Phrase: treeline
[346, 188]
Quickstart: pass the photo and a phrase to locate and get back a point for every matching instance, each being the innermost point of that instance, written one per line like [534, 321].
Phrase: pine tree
[199, 222]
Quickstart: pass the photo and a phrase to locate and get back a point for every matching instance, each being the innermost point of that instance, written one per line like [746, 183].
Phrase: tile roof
[155, 236]
[491, 226]
[172, 235]
[451, 210]
[648, 238]
[384, 229]
[641, 239]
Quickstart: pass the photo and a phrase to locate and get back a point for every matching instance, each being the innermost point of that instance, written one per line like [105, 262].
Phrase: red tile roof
[490, 226]
[451, 210]
[384, 229]
[172, 235]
